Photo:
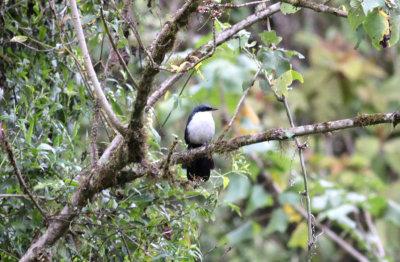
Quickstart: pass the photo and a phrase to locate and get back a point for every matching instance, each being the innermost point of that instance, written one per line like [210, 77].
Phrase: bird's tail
[199, 168]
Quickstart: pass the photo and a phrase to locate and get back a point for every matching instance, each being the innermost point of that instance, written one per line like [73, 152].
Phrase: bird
[199, 131]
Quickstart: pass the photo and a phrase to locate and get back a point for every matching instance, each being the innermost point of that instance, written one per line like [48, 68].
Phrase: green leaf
[238, 189]
[234, 208]
[297, 76]
[290, 53]
[45, 147]
[356, 17]
[278, 222]
[376, 24]
[30, 131]
[340, 213]
[288, 8]
[247, 84]
[375, 204]
[42, 33]
[155, 134]
[244, 232]
[274, 60]
[116, 106]
[290, 198]
[264, 86]
[281, 83]
[270, 38]
[368, 5]
[72, 183]
[259, 198]
[299, 237]
[360, 35]
[394, 29]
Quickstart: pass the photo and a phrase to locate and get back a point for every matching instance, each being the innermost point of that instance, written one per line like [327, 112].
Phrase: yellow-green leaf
[19, 38]
[225, 182]
[299, 237]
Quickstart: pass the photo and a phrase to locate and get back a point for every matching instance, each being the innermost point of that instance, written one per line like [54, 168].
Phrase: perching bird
[199, 131]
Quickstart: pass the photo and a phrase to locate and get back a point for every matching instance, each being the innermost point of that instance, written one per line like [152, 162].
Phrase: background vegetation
[329, 67]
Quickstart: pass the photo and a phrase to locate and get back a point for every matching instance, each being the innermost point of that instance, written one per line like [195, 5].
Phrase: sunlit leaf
[45, 147]
[299, 237]
[19, 39]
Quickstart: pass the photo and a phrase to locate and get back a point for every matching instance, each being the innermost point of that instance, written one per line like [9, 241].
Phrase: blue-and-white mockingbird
[199, 131]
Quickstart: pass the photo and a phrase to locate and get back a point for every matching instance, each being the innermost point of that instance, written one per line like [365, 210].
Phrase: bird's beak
[214, 108]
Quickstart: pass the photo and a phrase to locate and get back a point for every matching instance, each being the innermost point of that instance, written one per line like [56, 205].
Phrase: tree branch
[162, 44]
[280, 134]
[317, 7]
[92, 74]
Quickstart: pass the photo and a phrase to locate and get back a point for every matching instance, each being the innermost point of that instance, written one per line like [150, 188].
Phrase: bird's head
[204, 108]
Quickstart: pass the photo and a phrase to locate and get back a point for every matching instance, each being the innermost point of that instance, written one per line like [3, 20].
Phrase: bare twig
[125, 244]
[7, 147]
[136, 243]
[19, 195]
[229, 5]
[89, 66]
[226, 251]
[301, 147]
[121, 60]
[377, 240]
[226, 129]
[133, 26]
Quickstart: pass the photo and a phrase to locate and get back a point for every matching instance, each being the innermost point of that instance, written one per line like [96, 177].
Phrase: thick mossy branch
[232, 144]
[163, 43]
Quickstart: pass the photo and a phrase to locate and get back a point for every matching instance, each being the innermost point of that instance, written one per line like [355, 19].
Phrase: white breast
[201, 128]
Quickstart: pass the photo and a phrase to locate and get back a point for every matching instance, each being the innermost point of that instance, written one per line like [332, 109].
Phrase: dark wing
[186, 128]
